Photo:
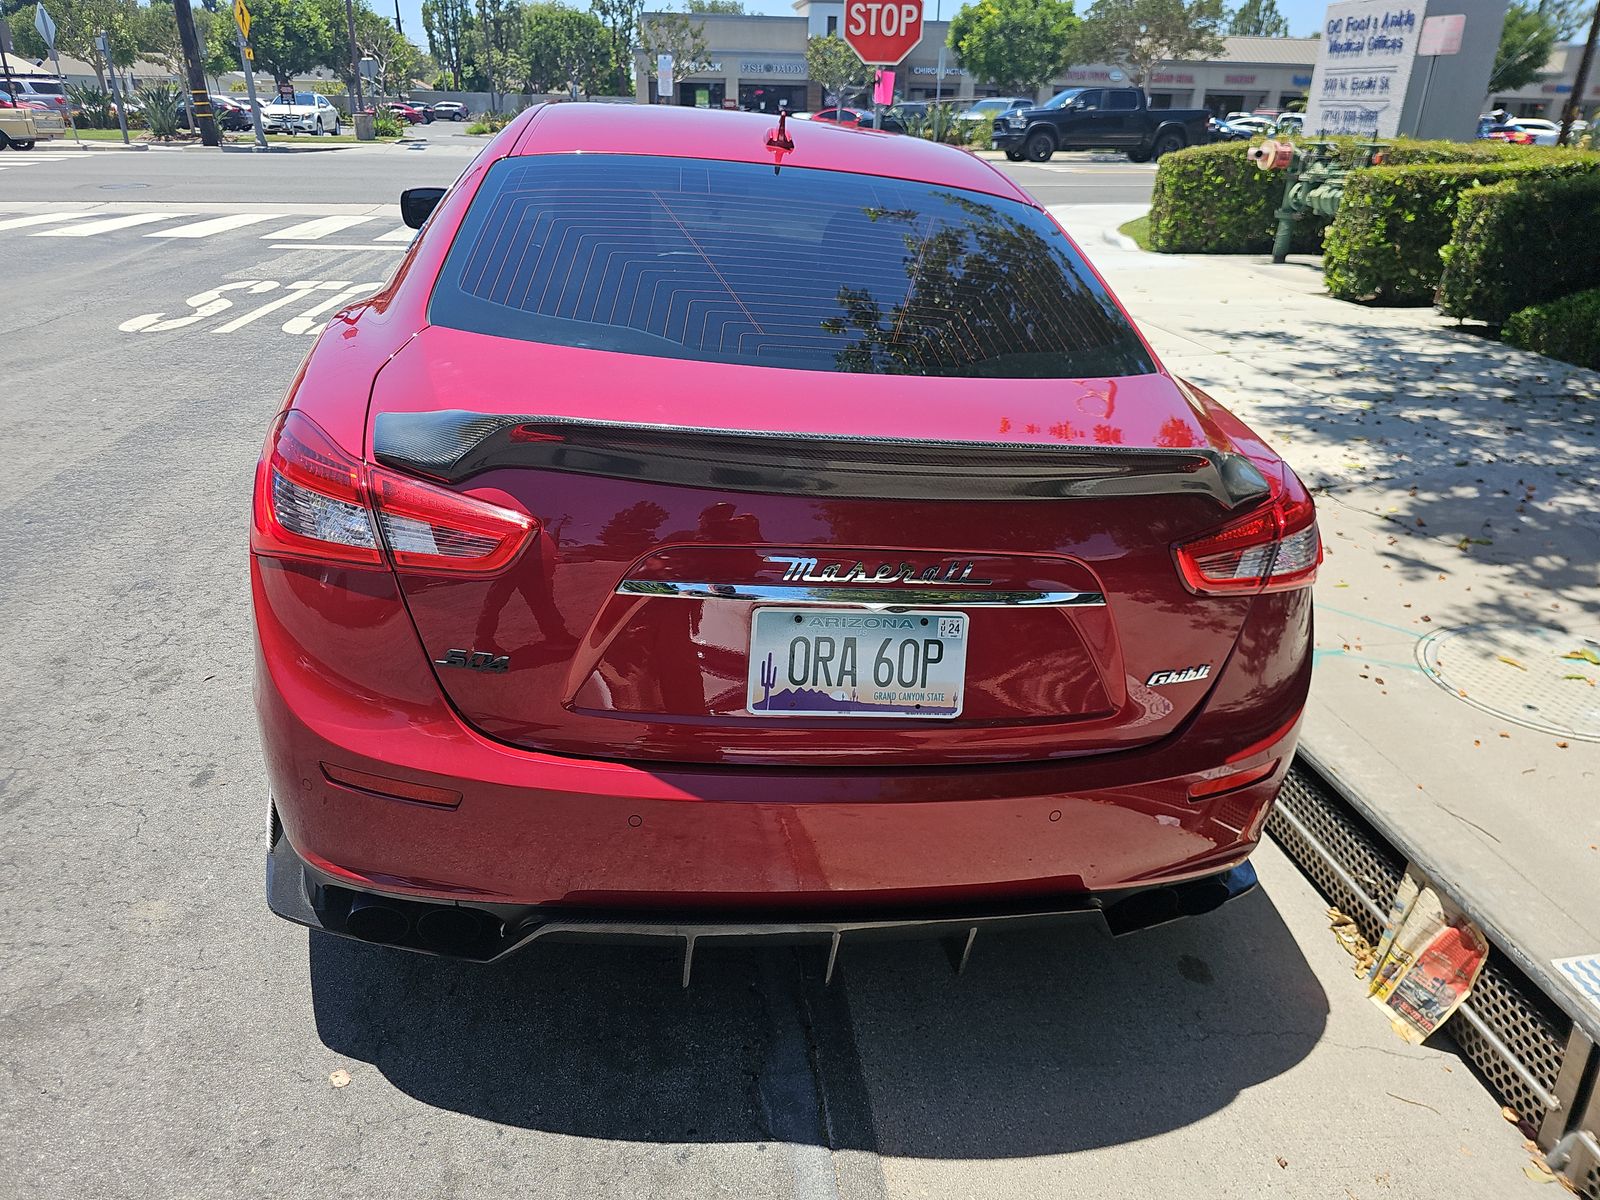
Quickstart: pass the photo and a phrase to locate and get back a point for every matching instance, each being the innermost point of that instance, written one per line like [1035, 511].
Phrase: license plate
[842, 662]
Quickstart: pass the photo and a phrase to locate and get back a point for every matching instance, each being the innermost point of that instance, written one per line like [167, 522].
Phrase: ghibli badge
[1186, 675]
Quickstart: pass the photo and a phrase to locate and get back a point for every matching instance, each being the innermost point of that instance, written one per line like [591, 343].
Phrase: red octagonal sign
[882, 32]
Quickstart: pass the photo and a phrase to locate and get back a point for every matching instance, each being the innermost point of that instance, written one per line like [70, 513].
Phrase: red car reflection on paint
[705, 537]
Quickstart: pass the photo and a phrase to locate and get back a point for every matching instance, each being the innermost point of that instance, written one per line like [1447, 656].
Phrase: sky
[1305, 16]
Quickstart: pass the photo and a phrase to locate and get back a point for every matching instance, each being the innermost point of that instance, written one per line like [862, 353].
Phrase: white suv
[306, 112]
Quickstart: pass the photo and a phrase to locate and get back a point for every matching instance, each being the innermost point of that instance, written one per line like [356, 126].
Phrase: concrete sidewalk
[1458, 490]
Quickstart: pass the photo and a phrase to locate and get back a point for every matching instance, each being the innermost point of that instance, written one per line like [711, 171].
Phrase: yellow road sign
[241, 14]
[250, 54]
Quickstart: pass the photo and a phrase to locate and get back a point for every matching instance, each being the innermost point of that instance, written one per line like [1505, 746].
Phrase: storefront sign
[793, 68]
[1238, 79]
[1300, 80]
[1364, 62]
[948, 71]
[1189, 79]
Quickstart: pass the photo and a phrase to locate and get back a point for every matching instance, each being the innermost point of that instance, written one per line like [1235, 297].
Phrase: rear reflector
[393, 789]
[1232, 782]
[313, 500]
[1272, 550]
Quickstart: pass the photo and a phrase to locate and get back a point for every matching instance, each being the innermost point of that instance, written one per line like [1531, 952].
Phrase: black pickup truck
[1095, 118]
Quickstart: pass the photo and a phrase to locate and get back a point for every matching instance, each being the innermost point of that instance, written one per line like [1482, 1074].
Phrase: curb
[94, 147]
[1121, 240]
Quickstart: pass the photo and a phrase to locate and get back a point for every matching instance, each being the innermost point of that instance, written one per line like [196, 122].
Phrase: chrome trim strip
[779, 593]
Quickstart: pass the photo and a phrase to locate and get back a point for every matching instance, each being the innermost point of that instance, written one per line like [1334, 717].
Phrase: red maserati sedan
[719, 530]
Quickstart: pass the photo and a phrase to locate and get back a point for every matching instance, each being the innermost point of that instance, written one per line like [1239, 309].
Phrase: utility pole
[200, 97]
[1574, 107]
[355, 55]
[397, 26]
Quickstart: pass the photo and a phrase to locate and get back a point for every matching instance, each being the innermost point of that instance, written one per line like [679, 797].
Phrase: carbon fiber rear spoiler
[454, 445]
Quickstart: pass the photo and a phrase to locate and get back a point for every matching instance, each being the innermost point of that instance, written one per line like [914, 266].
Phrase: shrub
[1213, 200]
[386, 124]
[94, 103]
[1394, 220]
[1568, 328]
[1501, 229]
[160, 103]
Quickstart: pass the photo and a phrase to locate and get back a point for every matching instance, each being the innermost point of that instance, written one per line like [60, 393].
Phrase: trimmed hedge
[1213, 200]
[1394, 220]
[1568, 328]
[1520, 242]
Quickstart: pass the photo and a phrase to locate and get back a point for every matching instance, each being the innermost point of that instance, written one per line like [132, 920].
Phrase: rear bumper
[300, 893]
[531, 830]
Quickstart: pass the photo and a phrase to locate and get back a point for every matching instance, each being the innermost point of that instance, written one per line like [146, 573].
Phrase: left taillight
[1274, 549]
[313, 500]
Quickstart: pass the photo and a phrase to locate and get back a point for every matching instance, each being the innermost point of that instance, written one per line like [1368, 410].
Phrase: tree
[1141, 33]
[77, 23]
[1568, 16]
[564, 50]
[398, 60]
[498, 42]
[156, 32]
[448, 25]
[730, 8]
[1258, 18]
[1526, 40]
[290, 37]
[675, 34]
[1017, 45]
[621, 19]
[835, 66]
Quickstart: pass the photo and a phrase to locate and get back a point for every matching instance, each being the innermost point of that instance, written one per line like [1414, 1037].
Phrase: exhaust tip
[452, 929]
[374, 921]
[1154, 907]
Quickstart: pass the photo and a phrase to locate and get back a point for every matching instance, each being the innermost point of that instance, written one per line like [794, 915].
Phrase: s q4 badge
[1186, 675]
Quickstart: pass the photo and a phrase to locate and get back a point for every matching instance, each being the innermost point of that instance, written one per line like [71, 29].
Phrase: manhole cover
[1546, 679]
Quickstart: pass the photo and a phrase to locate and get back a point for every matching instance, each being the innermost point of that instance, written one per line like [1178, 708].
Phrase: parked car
[231, 115]
[856, 117]
[51, 93]
[1492, 130]
[450, 110]
[591, 598]
[306, 112]
[1220, 130]
[992, 107]
[406, 112]
[1098, 119]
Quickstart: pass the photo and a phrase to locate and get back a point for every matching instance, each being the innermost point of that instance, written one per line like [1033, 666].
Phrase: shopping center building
[759, 64]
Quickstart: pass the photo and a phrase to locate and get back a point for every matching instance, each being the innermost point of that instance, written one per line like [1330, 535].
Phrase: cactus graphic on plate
[769, 676]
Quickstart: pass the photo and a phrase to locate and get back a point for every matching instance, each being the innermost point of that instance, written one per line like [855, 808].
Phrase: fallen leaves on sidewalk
[1582, 654]
[1511, 662]
[1351, 938]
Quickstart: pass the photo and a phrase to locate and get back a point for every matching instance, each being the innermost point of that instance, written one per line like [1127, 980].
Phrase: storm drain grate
[1357, 870]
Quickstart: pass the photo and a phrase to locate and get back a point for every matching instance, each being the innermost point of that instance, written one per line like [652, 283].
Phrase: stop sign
[882, 32]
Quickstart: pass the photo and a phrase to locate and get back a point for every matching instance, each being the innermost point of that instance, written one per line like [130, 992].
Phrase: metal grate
[1324, 828]
[1359, 872]
[1519, 1016]
[1583, 1168]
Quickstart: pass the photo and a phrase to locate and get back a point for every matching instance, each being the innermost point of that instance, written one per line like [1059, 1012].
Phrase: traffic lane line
[42, 219]
[345, 246]
[215, 225]
[106, 226]
[308, 231]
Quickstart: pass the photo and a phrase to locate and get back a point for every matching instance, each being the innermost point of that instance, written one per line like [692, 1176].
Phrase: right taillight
[1271, 550]
[313, 500]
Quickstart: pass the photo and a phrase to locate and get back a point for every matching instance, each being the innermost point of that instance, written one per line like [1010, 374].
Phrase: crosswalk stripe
[94, 227]
[41, 219]
[310, 231]
[403, 234]
[202, 229]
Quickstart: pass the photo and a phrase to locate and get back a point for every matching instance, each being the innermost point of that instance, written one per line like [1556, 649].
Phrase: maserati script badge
[952, 573]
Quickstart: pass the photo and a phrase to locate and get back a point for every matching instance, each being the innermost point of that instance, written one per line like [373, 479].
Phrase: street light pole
[397, 26]
[938, 71]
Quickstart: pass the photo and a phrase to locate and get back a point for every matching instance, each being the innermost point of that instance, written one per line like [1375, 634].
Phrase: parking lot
[167, 1037]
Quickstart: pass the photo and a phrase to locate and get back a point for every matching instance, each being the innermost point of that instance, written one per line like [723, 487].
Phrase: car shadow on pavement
[1051, 1041]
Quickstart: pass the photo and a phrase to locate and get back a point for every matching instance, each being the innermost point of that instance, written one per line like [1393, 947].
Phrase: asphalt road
[165, 1036]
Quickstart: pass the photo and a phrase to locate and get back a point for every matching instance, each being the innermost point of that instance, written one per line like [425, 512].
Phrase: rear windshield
[48, 89]
[804, 269]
